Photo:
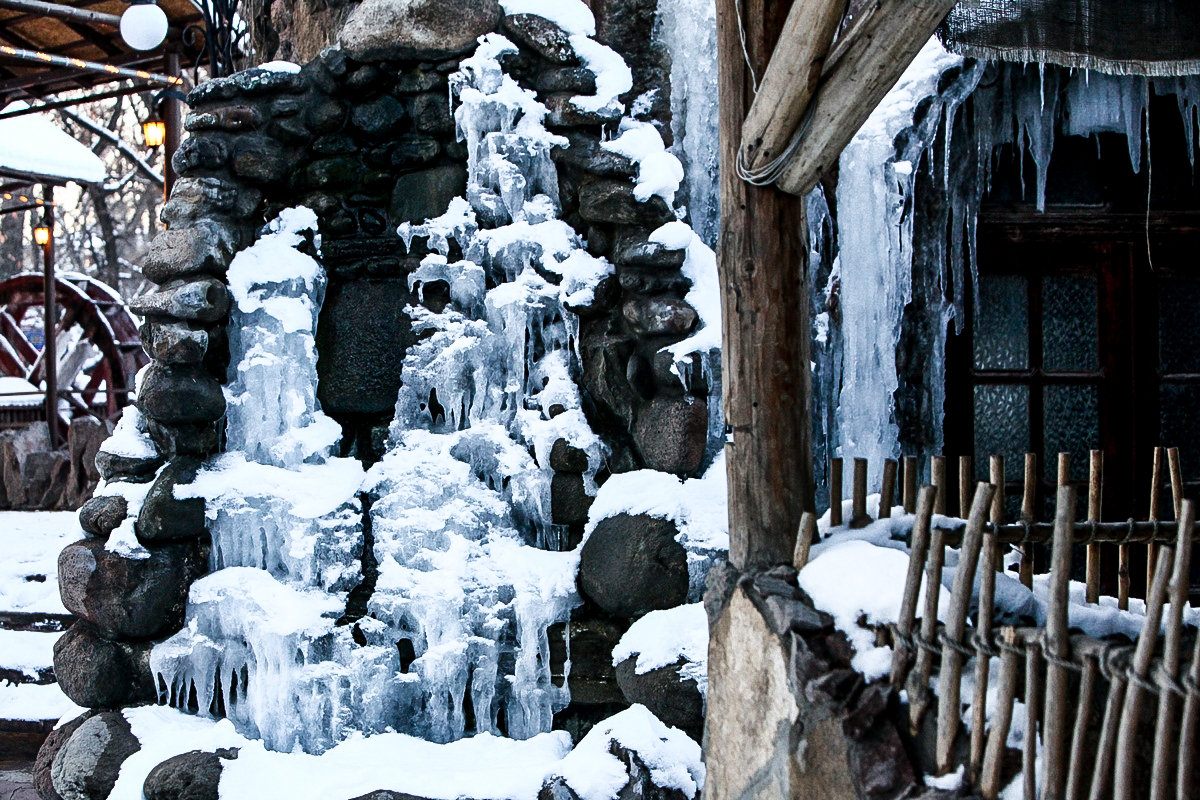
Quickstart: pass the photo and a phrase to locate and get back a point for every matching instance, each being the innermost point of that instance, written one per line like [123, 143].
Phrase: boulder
[423, 195]
[87, 766]
[591, 639]
[128, 598]
[380, 117]
[639, 786]
[631, 564]
[612, 201]
[205, 247]
[194, 775]
[672, 698]
[196, 199]
[542, 37]
[101, 515]
[659, 316]
[634, 250]
[564, 457]
[569, 500]
[198, 440]
[202, 300]
[379, 30]
[134, 470]
[51, 745]
[174, 342]
[96, 672]
[43, 483]
[671, 434]
[164, 517]
[180, 395]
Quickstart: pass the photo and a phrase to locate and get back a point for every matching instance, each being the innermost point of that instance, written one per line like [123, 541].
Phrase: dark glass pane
[1002, 323]
[1002, 426]
[1069, 323]
[1179, 324]
[1180, 426]
[1072, 425]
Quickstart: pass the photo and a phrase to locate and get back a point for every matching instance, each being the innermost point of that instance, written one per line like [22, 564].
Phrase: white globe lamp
[144, 25]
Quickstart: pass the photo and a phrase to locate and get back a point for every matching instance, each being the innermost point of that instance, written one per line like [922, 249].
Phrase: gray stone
[567, 79]
[134, 470]
[381, 794]
[100, 516]
[206, 151]
[569, 500]
[340, 172]
[566, 458]
[15, 447]
[565, 114]
[362, 327]
[592, 639]
[99, 673]
[43, 783]
[87, 766]
[613, 201]
[196, 199]
[164, 517]
[431, 114]
[416, 29]
[417, 80]
[260, 160]
[194, 775]
[203, 300]
[187, 439]
[325, 116]
[412, 149]
[128, 598]
[541, 36]
[633, 250]
[585, 153]
[380, 117]
[631, 565]
[418, 196]
[639, 785]
[38, 473]
[659, 316]
[178, 395]
[235, 118]
[671, 434]
[174, 342]
[672, 698]
[206, 247]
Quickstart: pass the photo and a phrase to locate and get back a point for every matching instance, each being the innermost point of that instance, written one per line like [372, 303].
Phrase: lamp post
[43, 235]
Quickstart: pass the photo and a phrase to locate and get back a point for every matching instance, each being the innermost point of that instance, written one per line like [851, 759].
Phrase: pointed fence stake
[1168, 700]
[964, 486]
[1028, 515]
[919, 551]
[993, 760]
[858, 514]
[1033, 692]
[910, 484]
[1079, 736]
[1160, 454]
[918, 679]
[937, 471]
[1095, 498]
[1058, 646]
[804, 539]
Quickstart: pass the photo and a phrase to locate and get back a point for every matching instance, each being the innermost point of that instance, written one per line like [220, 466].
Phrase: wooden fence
[1115, 719]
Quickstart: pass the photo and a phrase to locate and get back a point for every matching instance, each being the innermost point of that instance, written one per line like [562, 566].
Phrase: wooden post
[172, 116]
[1058, 645]
[918, 679]
[887, 488]
[910, 484]
[835, 492]
[858, 513]
[804, 539]
[50, 321]
[1160, 454]
[1095, 497]
[918, 552]
[937, 471]
[1187, 727]
[983, 622]
[964, 486]
[993, 761]
[1032, 712]
[1079, 737]
[762, 261]
[1028, 515]
[1106, 747]
[1168, 701]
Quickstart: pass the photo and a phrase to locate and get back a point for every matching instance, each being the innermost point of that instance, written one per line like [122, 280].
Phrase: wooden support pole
[937, 470]
[762, 261]
[964, 486]
[835, 492]
[858, 514]
[1033, 692]
[805, 539]
[1176, 471]
[1028, 500]
[996, 477]
[1187, 728]
[918, 552]
[50, 321]
[983, 636]
[918, 679]
[1058, 646]
[172, 116]
[1083, 727]
[993, 760]
[1095, 499]
[1168, 701]
[950, 674]
[910, 484]
[1160, 454]
[887, 489]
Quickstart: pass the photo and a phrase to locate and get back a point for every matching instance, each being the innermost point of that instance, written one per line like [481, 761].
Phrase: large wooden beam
[762, 260]
[790, 80]
[874, 54]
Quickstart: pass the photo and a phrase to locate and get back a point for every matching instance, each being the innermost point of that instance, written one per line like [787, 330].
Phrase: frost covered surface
[35, 702]
[663, 638]
[672, 758]
[33, 144]
[659, 172]
[27, 651]
[30, 542]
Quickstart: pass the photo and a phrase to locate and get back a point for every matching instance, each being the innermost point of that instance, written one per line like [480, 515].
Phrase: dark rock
[613, 201]
[784, 614]
[287, 106]
[85, 436]
[416, 29]
[133, 470]
[380, 117]
[128, 598]
[100, 516]
[412, 149]
[42, 767]
[641, 380]
[585, 153]
[164, 517]
[205, 247]
[234, 119]
[260, 160]
[99, 673]
[203, 300]
[290, 131]
[578, 80]
[196, 199]
[631, 564]
[634, 250]
[364, 79]
[379, 794]
[569, 500]
[672, 698]
[342, 172]
[639, 786]
[197, 440]
[642, 280]
[418, 196]
[565, 114]
[200, 152]
[417, 80]
[675, 376]
[592, 639]
[174, 342]
[604, 361]
[325, 116]
[431, 114]
[254, 82]
[87, 766]
[38, 472]
[542, 37]
[188, 776]
[362, 327]
[659, 316]
[556, 788]
[671, 434]
[566, 458]
[181, 395]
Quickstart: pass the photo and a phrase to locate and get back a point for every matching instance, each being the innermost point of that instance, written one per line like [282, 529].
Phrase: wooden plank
[1168, 701]
[866, 63]
[918, 552]
[1058, 647]
[762, 257]
[790, 80]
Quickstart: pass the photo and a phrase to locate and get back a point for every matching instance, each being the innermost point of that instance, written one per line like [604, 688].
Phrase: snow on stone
[27, 652]
[280, 66]
[30, 542]
[130, 437]
[673, 759]
[613, 77]
[662, 638]
[35, 702]
[573, 16]
[699, 267]
[659, 172]
[34, 144]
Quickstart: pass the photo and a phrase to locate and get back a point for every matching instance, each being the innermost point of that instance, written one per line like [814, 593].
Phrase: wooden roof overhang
[91, 38]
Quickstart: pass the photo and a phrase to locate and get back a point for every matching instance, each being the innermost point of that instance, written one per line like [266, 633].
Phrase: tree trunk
[111, 273]
[762, 259]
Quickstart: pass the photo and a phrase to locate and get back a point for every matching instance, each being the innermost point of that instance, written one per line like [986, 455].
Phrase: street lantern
[143, 25]
[41, 234]
[154, 130]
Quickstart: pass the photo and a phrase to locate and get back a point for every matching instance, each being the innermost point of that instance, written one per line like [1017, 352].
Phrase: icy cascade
[688, 29]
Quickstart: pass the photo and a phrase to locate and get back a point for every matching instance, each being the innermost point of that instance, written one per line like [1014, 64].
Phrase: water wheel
[98, 348]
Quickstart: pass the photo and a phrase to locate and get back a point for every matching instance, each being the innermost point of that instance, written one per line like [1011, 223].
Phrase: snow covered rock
[43, 783]
[542, 36]
[631, 564]
[662, 663]
[101, 515]
[96, 672]
[87, 766]
[164, 517]
[416, 29]
[193, 775]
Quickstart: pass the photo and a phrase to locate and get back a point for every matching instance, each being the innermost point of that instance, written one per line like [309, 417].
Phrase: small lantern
[143, 25]
[154, 130]
[41, 234]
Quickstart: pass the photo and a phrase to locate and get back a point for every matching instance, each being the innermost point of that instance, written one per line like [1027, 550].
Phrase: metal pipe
[87, 66]
[50, 314]
[42, 9]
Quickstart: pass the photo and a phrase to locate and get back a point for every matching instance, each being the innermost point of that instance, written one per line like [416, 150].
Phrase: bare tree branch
[117, 142]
